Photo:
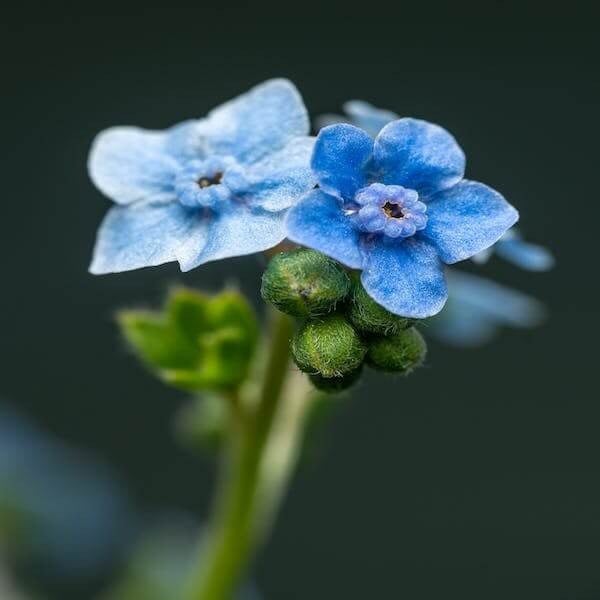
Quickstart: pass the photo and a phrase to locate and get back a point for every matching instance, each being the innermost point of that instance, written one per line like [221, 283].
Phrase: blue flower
[478, 307]
[397, 208]
[204, 189]
[511, 246]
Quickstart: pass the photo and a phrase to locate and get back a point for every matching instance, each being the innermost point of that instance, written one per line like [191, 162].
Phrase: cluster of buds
[341, 328]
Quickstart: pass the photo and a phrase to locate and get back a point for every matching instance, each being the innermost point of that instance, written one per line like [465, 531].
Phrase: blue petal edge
[261, 121]
[418, 155]
[467, 219]
[129, 164]
[237, 231]
[279, 180]
[145, 235]
[341, 159]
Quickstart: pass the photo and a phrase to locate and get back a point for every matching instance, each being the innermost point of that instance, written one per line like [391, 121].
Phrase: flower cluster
[477, 307]
[361, 223]
[341, 328]
[379, 194]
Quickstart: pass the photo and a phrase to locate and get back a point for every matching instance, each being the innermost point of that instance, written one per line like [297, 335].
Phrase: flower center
[199, 183]
[205, 182]
[392, 210]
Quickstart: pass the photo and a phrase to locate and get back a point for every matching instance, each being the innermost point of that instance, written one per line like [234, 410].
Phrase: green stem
[251, 484]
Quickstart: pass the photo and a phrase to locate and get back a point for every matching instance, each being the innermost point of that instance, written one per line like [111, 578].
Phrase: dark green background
[479, 476]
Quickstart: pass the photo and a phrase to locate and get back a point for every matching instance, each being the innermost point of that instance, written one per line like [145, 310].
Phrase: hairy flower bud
[330, 347]
[333, 385]
[304, 283]
[399, 353]
[368, 316]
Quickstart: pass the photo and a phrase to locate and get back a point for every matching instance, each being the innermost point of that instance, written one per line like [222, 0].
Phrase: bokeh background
[479, 476]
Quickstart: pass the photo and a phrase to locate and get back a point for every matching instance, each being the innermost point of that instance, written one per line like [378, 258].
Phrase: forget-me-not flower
[510, 247]
[397, 208]
[204, 189]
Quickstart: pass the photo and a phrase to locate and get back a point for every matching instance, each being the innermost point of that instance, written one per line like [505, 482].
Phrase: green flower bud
[400, 353]
[304, 283]
[368, 316]
[329, 347]
[333, 385]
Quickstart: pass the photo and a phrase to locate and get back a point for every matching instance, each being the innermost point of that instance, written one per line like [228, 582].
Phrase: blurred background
[478, 477]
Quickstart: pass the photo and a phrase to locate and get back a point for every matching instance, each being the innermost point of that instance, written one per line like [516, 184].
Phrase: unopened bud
[304, 283]
[330, 347]
[332, 385]
[400, 353]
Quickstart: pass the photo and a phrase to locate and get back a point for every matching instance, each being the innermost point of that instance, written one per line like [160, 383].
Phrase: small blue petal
[368, 117]
[279, 180]
[145, 235]
[466, 219]
[458, 325]
[236, 231]
[129, 164]
[418, 155]
[184, 141]
[525, 255]
[257, 123]
[341, 158]
[503, 305]
[406, 277]
[478, 307]
[481, 258]
[318, 221]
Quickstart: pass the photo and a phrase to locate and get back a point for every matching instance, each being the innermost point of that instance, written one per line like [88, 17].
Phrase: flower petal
[145, 235]
[340, 159]
[237, 231]
[258, 122]
[458, 326]
[129, 164]
[531, 257]
[405, 277]
[279, 180]
[466, 219]
[368, 117]
[501, 304]
[185, 141]
[318, 221]
[418, 155]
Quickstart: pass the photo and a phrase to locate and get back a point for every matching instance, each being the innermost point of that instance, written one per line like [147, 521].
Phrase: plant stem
[251, 483]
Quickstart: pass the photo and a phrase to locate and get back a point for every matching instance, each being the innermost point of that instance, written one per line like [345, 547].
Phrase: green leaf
[197, 342]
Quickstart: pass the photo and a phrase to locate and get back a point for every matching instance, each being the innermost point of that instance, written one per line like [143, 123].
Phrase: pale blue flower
[397, 208]
[205, 189]
[478, 307]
